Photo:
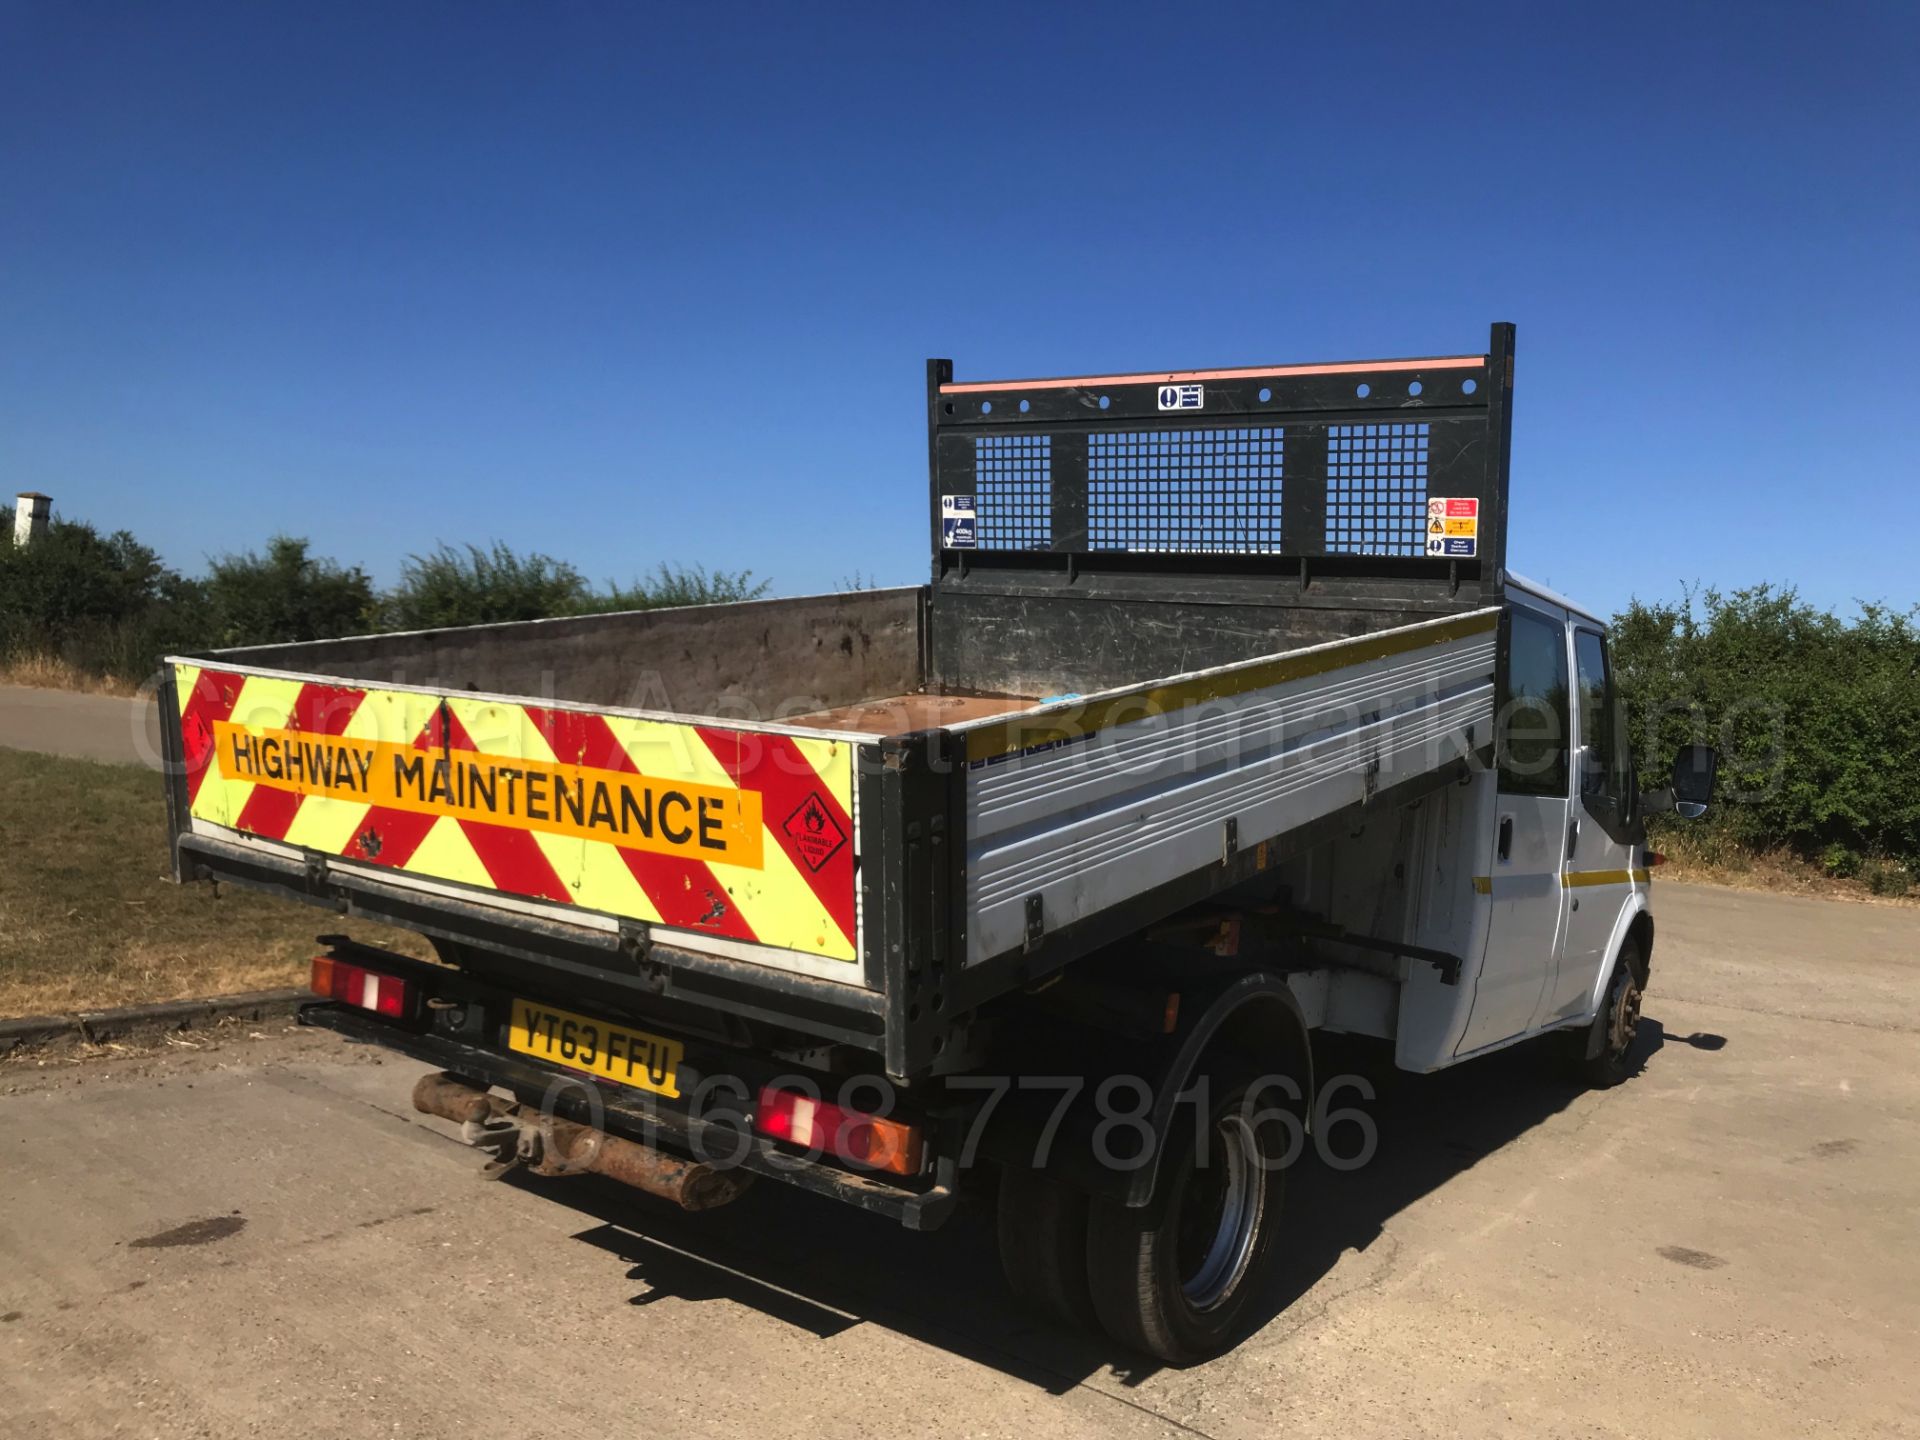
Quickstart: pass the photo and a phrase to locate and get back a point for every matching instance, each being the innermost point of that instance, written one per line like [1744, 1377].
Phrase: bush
[472, 586]
[449, 586]
[105, 606]
[1817, 718]
[284, 596]
[679, 585]
[1887, 877]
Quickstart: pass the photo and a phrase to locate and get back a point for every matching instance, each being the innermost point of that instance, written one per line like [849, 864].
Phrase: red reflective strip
[317, 710]
[515, 861]
[577, 738]
[389, 837]
[512, 858]
[214, 695]
[790, 790]
[684, 890]
[688, 894]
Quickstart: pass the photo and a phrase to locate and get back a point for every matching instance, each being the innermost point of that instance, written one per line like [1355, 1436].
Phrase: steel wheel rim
[1230, 1250]
[1626, 1018]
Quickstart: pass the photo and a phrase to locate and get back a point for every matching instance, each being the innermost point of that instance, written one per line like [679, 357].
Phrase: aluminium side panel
[734, 840]
[1083, 806]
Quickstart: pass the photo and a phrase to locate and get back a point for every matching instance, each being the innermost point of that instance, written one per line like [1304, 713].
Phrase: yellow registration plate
[613, 1052]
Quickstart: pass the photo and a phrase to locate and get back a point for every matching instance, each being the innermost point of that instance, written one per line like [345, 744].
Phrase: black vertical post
[915, 848]
[1067, 469]
[173, 757]
[1493, 504]
[939, 372]
[1303, 491]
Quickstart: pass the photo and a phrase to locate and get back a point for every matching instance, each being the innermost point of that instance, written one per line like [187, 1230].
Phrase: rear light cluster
[849, 1135]
[369, 989]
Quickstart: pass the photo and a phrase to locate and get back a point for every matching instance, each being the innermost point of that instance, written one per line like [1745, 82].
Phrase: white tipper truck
[1220, 723]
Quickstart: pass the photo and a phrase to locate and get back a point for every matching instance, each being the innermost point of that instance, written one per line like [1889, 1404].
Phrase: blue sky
[628, 285]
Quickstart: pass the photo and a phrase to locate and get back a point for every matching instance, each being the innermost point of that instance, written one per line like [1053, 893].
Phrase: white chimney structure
[30, 516]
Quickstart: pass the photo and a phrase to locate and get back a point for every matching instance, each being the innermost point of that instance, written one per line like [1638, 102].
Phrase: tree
[286, 595]
[73, 575]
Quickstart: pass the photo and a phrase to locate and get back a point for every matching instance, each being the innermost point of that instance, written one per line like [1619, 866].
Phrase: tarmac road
[261, 1239]
[87, 727]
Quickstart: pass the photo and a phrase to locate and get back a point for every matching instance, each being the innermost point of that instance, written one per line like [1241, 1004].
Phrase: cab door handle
[1573, 836]
[1506, 837]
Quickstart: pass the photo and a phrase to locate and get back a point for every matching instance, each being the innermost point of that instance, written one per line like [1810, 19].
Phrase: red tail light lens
[356, 985]
[869, 1140]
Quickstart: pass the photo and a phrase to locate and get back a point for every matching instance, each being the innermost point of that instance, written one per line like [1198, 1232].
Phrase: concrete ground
[87, 727]
[259, 1238]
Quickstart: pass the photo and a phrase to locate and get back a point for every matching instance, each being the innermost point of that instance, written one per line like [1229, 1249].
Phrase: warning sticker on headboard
[957, 530]
[1453, 526]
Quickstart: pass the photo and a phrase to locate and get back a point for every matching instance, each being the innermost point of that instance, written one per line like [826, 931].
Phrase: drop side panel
[1088, 805]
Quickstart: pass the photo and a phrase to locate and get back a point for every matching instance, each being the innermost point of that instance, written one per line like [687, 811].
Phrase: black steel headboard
[1372, 472]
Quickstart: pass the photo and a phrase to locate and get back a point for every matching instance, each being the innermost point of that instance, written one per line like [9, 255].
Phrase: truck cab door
[1527, 850]
[1604, 829]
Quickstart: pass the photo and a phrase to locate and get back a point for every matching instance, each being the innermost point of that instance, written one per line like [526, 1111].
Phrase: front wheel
[1603, 1052]
[1176, 1280]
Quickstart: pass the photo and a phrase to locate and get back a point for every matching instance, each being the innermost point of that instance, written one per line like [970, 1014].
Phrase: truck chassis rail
[636, 1118]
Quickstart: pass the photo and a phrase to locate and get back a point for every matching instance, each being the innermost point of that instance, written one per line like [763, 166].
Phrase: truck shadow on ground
[823, 1268]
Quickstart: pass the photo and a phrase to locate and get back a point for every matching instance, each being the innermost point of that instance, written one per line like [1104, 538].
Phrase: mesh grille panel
[1013, 491]
[1376, 489]
[1185, 490]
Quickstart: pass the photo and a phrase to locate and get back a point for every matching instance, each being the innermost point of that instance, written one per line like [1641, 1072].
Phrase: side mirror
[1693, 768]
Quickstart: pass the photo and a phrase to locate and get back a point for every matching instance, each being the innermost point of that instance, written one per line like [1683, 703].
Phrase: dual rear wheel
[1175, 1279]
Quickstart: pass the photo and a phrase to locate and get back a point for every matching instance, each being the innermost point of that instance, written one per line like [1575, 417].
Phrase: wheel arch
[1253, 1014]
[1640, 930]
[1635, 922]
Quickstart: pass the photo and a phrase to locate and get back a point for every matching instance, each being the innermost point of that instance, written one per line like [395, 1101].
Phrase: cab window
[1533, 724]
[1606, 769]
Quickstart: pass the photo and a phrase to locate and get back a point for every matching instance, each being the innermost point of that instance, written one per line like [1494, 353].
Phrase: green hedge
[475, 586]
[1817, 718]
[106, 606]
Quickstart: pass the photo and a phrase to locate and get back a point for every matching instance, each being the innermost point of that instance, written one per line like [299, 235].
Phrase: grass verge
[88, 917]
[1709, 859]
[50, 672]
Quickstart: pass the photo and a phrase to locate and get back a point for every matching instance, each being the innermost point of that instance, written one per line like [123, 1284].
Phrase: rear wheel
[1042, 1230]
[1176, 1280]
[1603, 1052]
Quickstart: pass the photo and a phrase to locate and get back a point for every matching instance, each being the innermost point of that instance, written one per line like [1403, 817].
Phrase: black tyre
[1602, 1053]
[1176, 1279]
[1042, 1228]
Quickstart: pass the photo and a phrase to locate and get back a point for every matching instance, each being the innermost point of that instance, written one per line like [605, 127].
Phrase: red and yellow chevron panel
[738, 834]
